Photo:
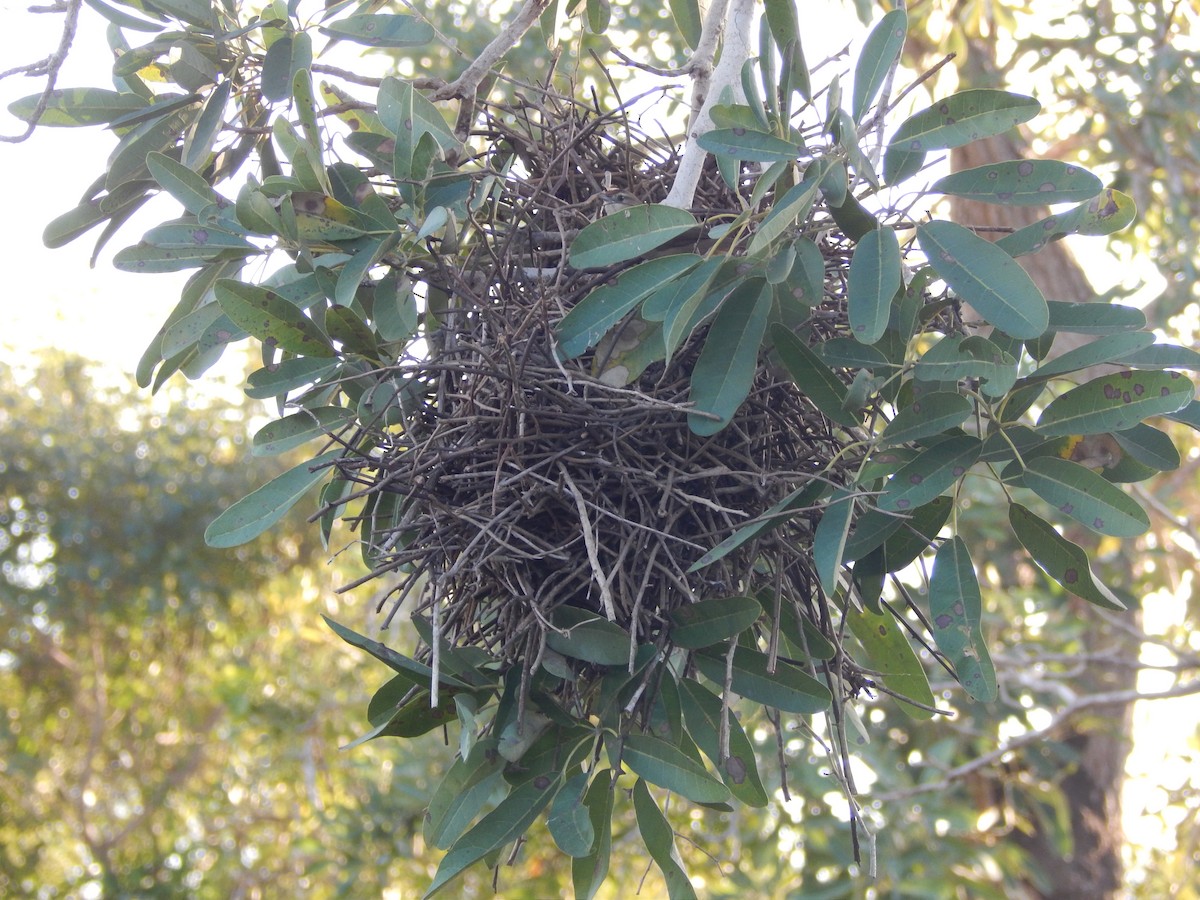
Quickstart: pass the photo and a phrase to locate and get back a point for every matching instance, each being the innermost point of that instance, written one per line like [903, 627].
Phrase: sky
[55, 299]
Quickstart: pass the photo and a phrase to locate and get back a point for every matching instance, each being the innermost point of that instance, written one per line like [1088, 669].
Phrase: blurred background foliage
[173, 713]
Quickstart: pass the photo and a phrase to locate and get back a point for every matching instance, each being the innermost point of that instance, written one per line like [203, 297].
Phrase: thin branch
[50, 67]
[466, 83]
[1064, 715]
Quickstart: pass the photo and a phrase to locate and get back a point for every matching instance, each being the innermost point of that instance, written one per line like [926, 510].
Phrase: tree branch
[735, 51]
[50, 66]
[465, 84]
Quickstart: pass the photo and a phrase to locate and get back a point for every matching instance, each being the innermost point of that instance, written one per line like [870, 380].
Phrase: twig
[50, 67]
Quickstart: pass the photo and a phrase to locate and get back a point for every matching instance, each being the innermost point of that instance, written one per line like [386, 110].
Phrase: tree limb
[466, 83]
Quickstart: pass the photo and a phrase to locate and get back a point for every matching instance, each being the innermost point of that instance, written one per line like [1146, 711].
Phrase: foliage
[771, 382]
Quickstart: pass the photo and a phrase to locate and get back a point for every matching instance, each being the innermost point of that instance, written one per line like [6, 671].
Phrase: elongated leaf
[872, 283]
[1163, 356]
[1083, 495]
[627, 234]
[811, 375]
[151, 260]
[299, 428]
[381, 30]
[929, 473]
[829, 540]
[680, 301]
[798, 501]
[76, 107]
[287, 56]
[1109, 348]
[739, 771]
[569, 821]
[660, 843]
[467, 786]
[1150, 447]
[791, 207]
[1023, 182]
[709, 622]
[503, 825]
[932, 414]
[272, 319]
[259, 510]
[588, 637]
[892, 655]
[192, 237]
[986, 277]
[589, 872]
[956, 357]
[182, 183]
[1115, 402]
[879, 54]
[725, 369]
[952, 122]
[1062, 560]
[1106, 213]
[288, 375]
[664, 765]
[604, 307]
[956, 610]
[748, 145]
[789, 688]
[1094, 318]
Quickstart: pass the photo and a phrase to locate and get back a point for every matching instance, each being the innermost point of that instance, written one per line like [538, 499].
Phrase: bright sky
[56, 300]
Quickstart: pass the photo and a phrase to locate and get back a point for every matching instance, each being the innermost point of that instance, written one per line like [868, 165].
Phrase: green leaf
[929, 473]
[956, 611]
[1094, 318]
[952, 122]
[708, 622]
[1188, 414]
[660, 843]
[811, 375]
[1163, 356]
[686, 296]
[1022, 182]
[1104, 214]
[829, 540]
[1115, 402]
[688, 20]
[462, 793]
[569, 821]
[260, 509]
[1106, 349]
[604, 307]
[348, 329]
[182, 183]
[381, 30]
[879, 54]
[986, 277]
[956, 357]
[1150, 447]
[588, 637]
[892, 656]
[725, 369]
[1085, 496]
[789, 688]
[192, 238]
[147, 259]
[287, 56]
[288, 375]
[299, 428]
[503, 825]
[83, 218]
[791, 208]
[739, 771]
[199, 140]
[272, 319]
[749, 145]
[1065, 562]
[668, 767]
[931, 414]
[872, 283]
[589, 872]
[76, 107]
[799, 500]
[627, 234]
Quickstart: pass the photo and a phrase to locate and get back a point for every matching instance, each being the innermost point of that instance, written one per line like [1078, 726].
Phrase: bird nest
[510, 483]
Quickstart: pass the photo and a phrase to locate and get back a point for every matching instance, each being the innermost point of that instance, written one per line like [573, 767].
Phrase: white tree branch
[735, 50]
[466, 83]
